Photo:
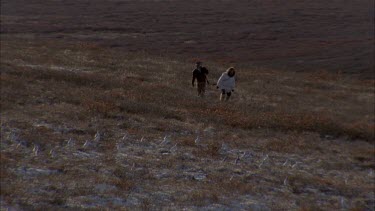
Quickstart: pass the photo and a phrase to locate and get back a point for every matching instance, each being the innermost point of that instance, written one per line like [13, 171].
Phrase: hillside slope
[85, 126]
[304, 35]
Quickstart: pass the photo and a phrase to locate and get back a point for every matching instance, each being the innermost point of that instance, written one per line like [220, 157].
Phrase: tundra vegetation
[98, 112]
[86, 126]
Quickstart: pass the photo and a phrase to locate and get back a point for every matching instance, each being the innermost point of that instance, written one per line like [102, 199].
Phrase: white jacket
[226, 82]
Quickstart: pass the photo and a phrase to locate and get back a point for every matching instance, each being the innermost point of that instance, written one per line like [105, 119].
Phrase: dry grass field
[303, 35]
[285, 141]
[94, 117]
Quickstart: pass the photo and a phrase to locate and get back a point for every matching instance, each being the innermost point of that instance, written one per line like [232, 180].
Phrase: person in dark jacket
[200, 74]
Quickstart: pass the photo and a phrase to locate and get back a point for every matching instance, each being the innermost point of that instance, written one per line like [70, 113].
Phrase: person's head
[199, 63]
[231, 72]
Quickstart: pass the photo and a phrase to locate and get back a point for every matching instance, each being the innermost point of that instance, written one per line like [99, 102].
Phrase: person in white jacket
[226, 83]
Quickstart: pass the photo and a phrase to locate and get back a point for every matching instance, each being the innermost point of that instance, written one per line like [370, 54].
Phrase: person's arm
[205, 71]
[193, 80]
[234, 84]
[218, 84]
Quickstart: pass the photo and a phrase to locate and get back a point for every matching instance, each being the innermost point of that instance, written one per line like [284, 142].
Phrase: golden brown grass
[110, 91]
[73, 90]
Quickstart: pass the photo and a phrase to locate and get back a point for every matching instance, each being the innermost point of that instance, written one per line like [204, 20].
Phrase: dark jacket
[200, 74]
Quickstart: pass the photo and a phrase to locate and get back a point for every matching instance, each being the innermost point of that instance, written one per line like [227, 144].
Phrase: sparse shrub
[324, 75]
[290, 144]
[186, 141]
[211, 149]
[309, 206]
[104, 108]
[146, 204]
[123, 180]
[58, 201]
[124, 184]
[202, 197]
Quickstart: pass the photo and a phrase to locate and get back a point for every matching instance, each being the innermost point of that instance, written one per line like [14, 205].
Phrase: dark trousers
[201, 88]
[223, 93]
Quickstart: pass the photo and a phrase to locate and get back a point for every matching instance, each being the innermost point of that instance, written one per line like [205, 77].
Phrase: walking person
[226, 84]
[200, 73]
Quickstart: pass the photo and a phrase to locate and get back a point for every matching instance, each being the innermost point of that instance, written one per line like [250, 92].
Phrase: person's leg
[228, 96]
[201, 89]
[222, 94]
